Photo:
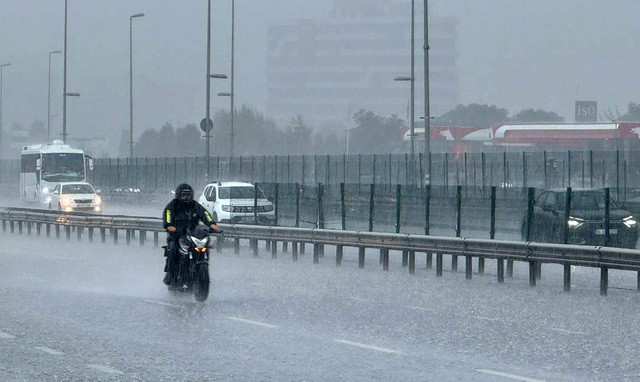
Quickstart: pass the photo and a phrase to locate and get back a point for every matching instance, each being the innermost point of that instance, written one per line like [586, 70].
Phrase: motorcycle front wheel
[201, 283]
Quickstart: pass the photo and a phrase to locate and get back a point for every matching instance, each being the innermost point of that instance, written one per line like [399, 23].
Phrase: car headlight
[65, 201]
[97, 200]
[226, 208]
[630, 221]
[574, 222]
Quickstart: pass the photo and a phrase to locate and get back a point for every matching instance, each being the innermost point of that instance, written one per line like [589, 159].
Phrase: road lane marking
[362, 299]
[422, 309]
[568, 331]
[49, 350]
[251, 322]
[260, 284]
[105, 369]
[487, 318]
[509, 376]
[6, 336]
[163, 303]
[369, 347]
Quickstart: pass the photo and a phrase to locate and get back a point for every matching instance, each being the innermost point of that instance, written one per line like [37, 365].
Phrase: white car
[233, 202]
[74, 196]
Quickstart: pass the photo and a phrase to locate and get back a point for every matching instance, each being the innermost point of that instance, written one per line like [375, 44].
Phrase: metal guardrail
[534, 254]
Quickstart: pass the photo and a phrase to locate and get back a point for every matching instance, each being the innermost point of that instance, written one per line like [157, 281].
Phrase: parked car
[75, 196]
[586, 219]
[233, 202]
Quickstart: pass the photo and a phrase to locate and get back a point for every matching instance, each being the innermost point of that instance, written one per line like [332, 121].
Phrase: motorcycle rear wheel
[201, 283]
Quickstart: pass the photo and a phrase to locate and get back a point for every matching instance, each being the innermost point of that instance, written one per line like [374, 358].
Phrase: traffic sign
[206, 125]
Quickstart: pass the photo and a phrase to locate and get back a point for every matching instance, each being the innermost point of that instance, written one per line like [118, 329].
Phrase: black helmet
[184, 192]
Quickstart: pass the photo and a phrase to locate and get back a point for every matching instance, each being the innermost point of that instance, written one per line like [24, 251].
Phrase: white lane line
[487, 318]
[422, 309]
[568, 331]
[369, 347]
[509, 376]
[49, 350]
[251, 322]
[163, 303]
[6, 336]
[105, 369]
[362, 299]
[260, 284]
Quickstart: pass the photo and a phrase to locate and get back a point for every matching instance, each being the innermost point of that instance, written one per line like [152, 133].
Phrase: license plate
[612, 231]
[246, 219]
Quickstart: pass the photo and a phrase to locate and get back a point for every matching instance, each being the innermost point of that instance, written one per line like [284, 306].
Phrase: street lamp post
[413, 82]
[233, 51]
[427, 110]
[64, 85]
[208, 95]
[65, 96]
[49, 98]
[208, 132]
[1, 118]
[131, 81]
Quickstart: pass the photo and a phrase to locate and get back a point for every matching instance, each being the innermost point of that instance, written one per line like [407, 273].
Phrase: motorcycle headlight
[630, 221]
[575, 222]
[200, 243]
[45, 190]
[226, 208]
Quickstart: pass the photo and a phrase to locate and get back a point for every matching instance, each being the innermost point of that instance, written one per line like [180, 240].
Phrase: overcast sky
[515, 54]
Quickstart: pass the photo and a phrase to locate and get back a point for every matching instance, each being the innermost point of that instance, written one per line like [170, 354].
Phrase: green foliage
[537, 116]
[632, 114]
[375, 133]
[474, 115]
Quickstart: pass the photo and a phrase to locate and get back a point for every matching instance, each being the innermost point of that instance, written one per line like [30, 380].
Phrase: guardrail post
[20, 227]
[532, 273]
[405, 258]
[303, 248]
[429, 261]
[114, 232]
[604, 280]
[67, 230]
[267, 245]
[412, 262]
[128, 236]
[274, 249]
[439, 264]
[285, 246]
[4, 225]
[28, 228]
[510, 269]
[454, 263]
[79, 232]
[500, 263]
[90, 229]
[254, 247]
[47, 229]
[361, 257]
[567, 277]
[236, 246]
[638, 280]
[57, 231]
[339, 253]
[385, 259]
[219, 240]
[294, 251]
[143, 237]
[316, 253]
[468, 271]
[103, 235]
[481, 265]
[156, 238]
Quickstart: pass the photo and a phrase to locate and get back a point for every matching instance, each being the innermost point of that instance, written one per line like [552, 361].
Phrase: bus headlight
[630, 222]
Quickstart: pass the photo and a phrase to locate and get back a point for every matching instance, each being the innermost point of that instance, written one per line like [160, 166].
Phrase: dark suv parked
[586, 220]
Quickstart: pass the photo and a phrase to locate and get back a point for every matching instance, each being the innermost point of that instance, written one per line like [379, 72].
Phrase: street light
[233, 55]
[49, 98]
[411, 117]
[131, 81]
[1, 125]
[427, 110]
[207, 117]
[64, 85]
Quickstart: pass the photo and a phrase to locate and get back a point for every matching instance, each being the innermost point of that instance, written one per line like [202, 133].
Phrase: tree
[37, 133]
[375, 133]
[474, 115]
[537, 116]
[632, 114]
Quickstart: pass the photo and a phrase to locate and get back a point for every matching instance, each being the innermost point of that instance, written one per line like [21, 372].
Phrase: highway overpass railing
[54, 223]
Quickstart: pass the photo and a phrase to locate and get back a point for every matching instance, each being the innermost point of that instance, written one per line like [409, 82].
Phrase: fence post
[607, 216]
[524, 170]
[398, 206]
[373, 170]
[342, 207]
[591, 168]
[618, 174]
[277, 204]
[359, 170]
[371, 203]
[427, 225]
[255, 203]
[569, 168]
[567, 214]
[320, 207]
[544, 158]
[298, 192]
[482, 171]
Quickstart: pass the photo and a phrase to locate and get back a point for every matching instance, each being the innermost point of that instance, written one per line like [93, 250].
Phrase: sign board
[206, 125]
[586, 111]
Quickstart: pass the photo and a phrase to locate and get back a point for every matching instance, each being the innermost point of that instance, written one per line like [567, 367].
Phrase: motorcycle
[193, 263]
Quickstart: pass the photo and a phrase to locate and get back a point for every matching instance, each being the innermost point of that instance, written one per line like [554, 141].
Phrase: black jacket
[185, 215]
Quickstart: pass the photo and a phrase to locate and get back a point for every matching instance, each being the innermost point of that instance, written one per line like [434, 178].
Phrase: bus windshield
[63, 167]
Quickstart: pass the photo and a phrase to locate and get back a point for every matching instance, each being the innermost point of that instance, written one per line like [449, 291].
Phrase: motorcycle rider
[181, 215]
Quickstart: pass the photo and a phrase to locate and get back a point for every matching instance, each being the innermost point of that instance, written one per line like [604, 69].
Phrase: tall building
[326, 69]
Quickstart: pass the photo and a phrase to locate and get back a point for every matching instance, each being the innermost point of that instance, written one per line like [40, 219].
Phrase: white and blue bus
[44, 166]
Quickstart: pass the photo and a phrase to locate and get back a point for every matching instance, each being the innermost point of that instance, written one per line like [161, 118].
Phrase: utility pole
[207, 132]
[427, 110]
[49, 99]
[233, 51]
[413, 80]
[64, 90]
[131, 81]
[1, 118]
